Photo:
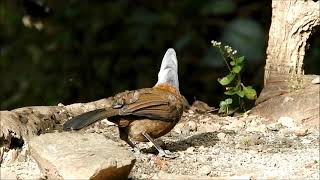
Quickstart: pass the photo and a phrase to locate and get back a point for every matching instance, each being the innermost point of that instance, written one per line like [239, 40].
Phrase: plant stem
[225, 60]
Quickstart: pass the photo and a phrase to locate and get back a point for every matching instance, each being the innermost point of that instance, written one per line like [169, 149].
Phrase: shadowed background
[89, 50]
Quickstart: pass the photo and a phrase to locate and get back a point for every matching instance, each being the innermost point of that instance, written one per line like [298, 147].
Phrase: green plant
[236, 91]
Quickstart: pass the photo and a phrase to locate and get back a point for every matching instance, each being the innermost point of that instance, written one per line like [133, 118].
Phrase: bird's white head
[169, 69]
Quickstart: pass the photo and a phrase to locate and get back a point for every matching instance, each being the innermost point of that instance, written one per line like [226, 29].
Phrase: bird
[144, 114]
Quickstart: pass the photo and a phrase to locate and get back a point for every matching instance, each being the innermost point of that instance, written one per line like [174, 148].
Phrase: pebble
[274, 126]
[285, 132]
[215, 151]
[204, 170]
[260, 128]
[221, 136]
[178, 128]
[190, 149]
[209, 127]
[239, 124]
[316, 80]
[202, 148]
[300, 131]
[236, 126]
[287, 122]
[192, 126]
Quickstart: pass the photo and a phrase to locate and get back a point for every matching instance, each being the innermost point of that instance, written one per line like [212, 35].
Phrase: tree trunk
[292, 24]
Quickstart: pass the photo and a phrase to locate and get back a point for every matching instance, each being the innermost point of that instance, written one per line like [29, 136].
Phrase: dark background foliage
[89, 50]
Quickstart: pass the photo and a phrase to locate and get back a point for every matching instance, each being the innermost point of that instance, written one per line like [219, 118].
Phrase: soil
[245, 146]
[207, 145]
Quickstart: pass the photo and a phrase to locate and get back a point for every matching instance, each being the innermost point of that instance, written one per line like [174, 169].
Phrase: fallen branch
[23, 123]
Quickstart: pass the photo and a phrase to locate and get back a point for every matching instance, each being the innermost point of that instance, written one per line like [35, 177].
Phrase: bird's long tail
[86, 119]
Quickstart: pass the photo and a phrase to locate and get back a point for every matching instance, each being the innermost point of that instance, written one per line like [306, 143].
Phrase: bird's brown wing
[149, 103]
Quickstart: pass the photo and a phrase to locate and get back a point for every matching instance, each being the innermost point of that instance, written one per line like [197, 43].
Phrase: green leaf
[233, 63]
[222, 104]
[227, 79]
[230, 92]
[228, 101]
[240, 93]
[236, 69]
[240, 60]
[250, 93]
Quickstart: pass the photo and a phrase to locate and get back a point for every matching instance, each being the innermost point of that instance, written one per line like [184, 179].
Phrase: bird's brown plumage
[151, 110]
[142, 114]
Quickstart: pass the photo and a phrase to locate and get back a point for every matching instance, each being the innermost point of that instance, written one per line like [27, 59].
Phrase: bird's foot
[167, 154]
[136, 151]
[162, 153]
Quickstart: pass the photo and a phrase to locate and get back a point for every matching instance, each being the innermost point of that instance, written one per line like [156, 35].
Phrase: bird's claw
[136, 151]
[167, 154]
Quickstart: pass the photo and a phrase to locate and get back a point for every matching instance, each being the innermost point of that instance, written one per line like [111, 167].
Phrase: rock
[178, 128]
[190, 149]
[221, 136]
[215, 151]
[209, 127]
[316, 80]
[260, 128]
[24, 167]
[300, 131]
[287, 122]
[235, 126]
[274, 126]
[204, 170]
[285, 132]
[202, 107]
[80, 156]
[192, 126]
[302, 105]
[202, 148]
[239, 123]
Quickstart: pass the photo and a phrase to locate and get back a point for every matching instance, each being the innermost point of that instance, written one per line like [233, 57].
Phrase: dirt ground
[208, 146]
[246, 146]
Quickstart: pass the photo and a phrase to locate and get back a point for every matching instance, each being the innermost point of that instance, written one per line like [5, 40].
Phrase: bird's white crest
[169, 69]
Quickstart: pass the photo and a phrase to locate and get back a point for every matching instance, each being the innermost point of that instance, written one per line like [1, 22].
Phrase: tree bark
[292, 23]
[22, 123]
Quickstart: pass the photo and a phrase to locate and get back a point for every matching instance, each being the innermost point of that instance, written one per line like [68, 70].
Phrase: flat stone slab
[71, 155]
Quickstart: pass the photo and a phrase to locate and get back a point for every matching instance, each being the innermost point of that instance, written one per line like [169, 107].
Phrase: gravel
[209, 146]
[236, 147]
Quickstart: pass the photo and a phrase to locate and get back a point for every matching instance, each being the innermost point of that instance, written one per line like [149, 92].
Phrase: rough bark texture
[292, 24]
[20, 124]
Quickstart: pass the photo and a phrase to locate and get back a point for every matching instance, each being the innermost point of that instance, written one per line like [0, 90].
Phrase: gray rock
[80, 156]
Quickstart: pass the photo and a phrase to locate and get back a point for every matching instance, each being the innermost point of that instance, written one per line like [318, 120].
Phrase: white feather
[169, 69]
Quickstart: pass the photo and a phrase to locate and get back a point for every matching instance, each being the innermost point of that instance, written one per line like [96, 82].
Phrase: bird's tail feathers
[85, 119]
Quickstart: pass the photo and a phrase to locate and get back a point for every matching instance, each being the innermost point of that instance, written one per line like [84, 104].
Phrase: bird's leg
[124, 137]
[164, 153]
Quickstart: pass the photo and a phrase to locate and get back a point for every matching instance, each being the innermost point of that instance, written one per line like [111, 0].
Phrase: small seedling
[236, 91]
